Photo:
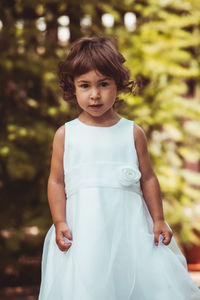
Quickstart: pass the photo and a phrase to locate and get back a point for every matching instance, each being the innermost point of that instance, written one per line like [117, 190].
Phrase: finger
[156, 238]
[63, 246]
[61, 242]
[67, 234]
[167, 238]
[166, 241]
[64, 236]
[64, 241]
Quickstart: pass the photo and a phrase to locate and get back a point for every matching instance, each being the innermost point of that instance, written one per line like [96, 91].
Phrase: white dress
[113, 255]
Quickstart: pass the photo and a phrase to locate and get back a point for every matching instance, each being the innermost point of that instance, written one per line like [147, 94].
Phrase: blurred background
[161, 41]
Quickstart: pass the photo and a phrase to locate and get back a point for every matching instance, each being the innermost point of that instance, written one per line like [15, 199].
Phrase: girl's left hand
[161, 228]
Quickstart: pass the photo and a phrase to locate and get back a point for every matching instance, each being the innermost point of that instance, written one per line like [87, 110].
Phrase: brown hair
[94, 53]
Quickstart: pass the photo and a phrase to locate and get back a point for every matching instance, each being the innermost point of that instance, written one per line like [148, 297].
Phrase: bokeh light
[63, 20]
[108, 20]
[41, 24]
[130, 21]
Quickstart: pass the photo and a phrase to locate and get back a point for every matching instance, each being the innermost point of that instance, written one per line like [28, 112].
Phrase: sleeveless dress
[113, 255]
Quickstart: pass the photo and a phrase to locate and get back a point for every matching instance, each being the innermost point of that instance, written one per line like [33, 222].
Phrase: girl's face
[95, 93]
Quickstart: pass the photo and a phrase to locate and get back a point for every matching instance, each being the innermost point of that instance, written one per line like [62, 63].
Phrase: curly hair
[94, 53]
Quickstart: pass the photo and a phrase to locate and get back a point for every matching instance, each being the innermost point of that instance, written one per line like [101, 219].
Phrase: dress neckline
[87, 125]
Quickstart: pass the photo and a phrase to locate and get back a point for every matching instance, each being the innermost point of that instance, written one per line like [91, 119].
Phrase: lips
[95, 107]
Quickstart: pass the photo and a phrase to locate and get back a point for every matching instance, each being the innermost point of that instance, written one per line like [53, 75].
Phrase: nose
[95, 93]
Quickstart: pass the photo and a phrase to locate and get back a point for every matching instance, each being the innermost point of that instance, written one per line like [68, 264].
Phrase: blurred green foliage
[163, 52]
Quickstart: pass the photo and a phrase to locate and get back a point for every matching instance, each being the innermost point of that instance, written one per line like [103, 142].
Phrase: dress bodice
[97, 155]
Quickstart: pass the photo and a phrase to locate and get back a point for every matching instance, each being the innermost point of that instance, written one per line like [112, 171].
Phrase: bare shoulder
[56, 172]
[60, 132]
[141, 146]
[139, 136]
[59, 137]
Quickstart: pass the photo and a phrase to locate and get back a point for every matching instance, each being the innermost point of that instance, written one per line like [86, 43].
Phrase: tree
[163, 51]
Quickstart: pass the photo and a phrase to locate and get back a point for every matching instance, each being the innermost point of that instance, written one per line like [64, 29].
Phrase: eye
[84, 85]
[104, 83]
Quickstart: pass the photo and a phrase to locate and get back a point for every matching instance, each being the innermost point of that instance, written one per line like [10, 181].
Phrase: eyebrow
[86, 81]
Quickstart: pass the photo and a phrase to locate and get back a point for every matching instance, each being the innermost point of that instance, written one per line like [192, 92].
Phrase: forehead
[93, 75]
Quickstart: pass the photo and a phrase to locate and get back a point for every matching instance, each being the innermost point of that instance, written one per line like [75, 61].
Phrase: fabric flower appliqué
[129, 176]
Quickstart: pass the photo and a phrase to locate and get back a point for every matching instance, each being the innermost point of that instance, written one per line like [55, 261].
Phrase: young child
[109, 239]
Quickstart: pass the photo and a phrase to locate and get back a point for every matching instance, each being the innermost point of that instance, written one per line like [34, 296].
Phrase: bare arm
[150, 186]
[149, 182]
[56, 190]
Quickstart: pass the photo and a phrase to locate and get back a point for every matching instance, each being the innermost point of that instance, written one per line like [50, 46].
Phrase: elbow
[52, 181]
[151, 176]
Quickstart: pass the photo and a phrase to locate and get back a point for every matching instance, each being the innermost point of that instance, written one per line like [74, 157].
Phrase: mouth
[95, 106]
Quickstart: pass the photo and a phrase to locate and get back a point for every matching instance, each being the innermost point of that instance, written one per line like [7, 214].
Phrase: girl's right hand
[62, 231]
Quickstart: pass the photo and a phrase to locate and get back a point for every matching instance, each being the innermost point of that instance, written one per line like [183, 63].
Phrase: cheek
[80, 96]
[114, 92]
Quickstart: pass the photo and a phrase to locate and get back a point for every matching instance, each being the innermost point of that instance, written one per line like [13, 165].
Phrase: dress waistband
[106, 174]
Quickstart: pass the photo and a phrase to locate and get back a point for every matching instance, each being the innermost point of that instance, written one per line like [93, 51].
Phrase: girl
[109, 239]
